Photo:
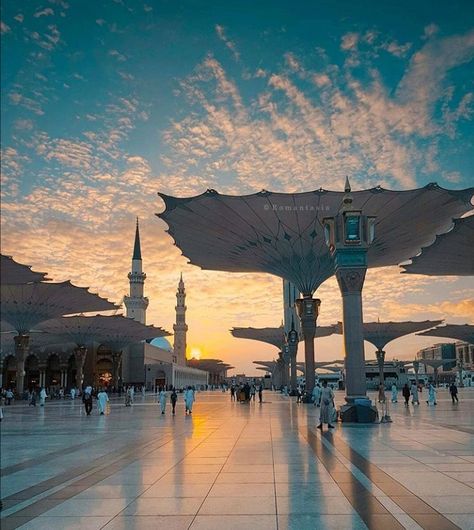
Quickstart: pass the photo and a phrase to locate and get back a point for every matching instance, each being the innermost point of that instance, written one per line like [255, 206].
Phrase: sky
[106, 103]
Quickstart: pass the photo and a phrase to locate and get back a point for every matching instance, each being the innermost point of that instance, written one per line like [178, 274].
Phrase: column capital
[351, 279]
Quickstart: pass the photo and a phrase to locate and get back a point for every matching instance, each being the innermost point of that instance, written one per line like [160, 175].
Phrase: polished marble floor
[230, 465]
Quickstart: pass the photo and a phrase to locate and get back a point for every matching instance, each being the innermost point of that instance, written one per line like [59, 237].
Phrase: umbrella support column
[21, 348]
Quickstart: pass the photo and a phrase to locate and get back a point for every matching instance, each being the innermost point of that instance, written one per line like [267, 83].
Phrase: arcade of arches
[56, 370]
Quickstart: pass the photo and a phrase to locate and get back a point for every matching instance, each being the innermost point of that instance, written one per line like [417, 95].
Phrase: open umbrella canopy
[114, 331]
[274, 336]
[15, 273]
[282, 233]
[25, 306]
[463, 332]
[451, 254]
[381, 333]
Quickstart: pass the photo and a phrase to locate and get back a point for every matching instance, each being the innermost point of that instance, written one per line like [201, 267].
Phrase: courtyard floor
[236, 466]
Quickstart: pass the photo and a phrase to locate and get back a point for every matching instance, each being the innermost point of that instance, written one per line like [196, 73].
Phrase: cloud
[44, 13]
[4, 28]
[230, 44]
[349, 41]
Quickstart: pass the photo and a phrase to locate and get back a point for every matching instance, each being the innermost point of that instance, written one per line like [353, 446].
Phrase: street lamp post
[348, 236]
[308, 311]
[292, 340]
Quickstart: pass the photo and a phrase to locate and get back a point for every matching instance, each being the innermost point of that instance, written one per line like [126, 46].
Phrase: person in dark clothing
[453, 390]
[173, 399]
[247, 392]
[406, 394]
[260, 393]
[232, 393]
[87, 400]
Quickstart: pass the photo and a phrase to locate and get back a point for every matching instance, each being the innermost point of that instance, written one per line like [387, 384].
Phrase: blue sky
[106, 103]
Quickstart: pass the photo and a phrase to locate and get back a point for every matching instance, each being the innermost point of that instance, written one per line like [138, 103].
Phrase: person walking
[316, 395]
[128, 397]
[8, 397]
[260, 393]
[73, 393]
[189, 399]
[32, 398]
[327, 406]
[87, 400]
[173, 399]
[43, 397]
[232, 393]
[431, 395]
[414, 392]
[453, 390]
[394, 393]
[163, 396]
[406, 394]
[102, 400]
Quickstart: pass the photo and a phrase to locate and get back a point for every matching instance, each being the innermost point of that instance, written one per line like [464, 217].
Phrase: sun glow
[195, 353]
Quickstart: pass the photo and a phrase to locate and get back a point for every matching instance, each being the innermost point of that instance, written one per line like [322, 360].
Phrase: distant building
[180, 328]
[444, 350]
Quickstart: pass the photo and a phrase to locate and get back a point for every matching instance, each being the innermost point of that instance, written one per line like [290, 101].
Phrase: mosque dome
[161, 342]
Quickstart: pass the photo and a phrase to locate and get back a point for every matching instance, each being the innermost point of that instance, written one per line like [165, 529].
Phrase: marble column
[21, 350]
[351, 281]
[116, 362]
[80, 354]
[380, 355]
[416, 369]
[293, 374]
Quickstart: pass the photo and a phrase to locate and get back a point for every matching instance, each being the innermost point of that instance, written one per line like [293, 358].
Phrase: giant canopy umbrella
[451, 254]
[282, 233]
[462, 332]
[25, 306]
[115, 331]
[274, 336]
[15, 273]
[381, 333]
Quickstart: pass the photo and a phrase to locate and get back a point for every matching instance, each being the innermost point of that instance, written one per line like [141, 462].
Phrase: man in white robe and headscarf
[43, 397]
[326, 413]
[431, 395]
[414, 394]
[73, 393]
[316, 395]
[189, 399]
[163, 396]
[102, 399]
[394, 393]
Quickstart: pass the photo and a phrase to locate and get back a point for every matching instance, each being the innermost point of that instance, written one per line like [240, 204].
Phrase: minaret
[136, 303]
[180, 328]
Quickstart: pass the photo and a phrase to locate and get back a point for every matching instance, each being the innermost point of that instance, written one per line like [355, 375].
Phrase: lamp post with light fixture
[348, 235]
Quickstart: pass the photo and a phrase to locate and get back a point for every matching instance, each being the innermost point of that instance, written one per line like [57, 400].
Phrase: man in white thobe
[394, 393]
[326, 413]
[73, 393]
[43, 397]
[163, 397]
[414, 394]
[431, 395]
[189, 399]
[316, 395]
[102, 399]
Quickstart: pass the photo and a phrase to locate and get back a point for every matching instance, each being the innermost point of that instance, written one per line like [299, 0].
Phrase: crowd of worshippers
[244, 393]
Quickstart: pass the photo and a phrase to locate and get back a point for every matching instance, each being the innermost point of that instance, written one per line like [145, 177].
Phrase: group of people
[246, 393]
[415, 390]
[189, 399]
